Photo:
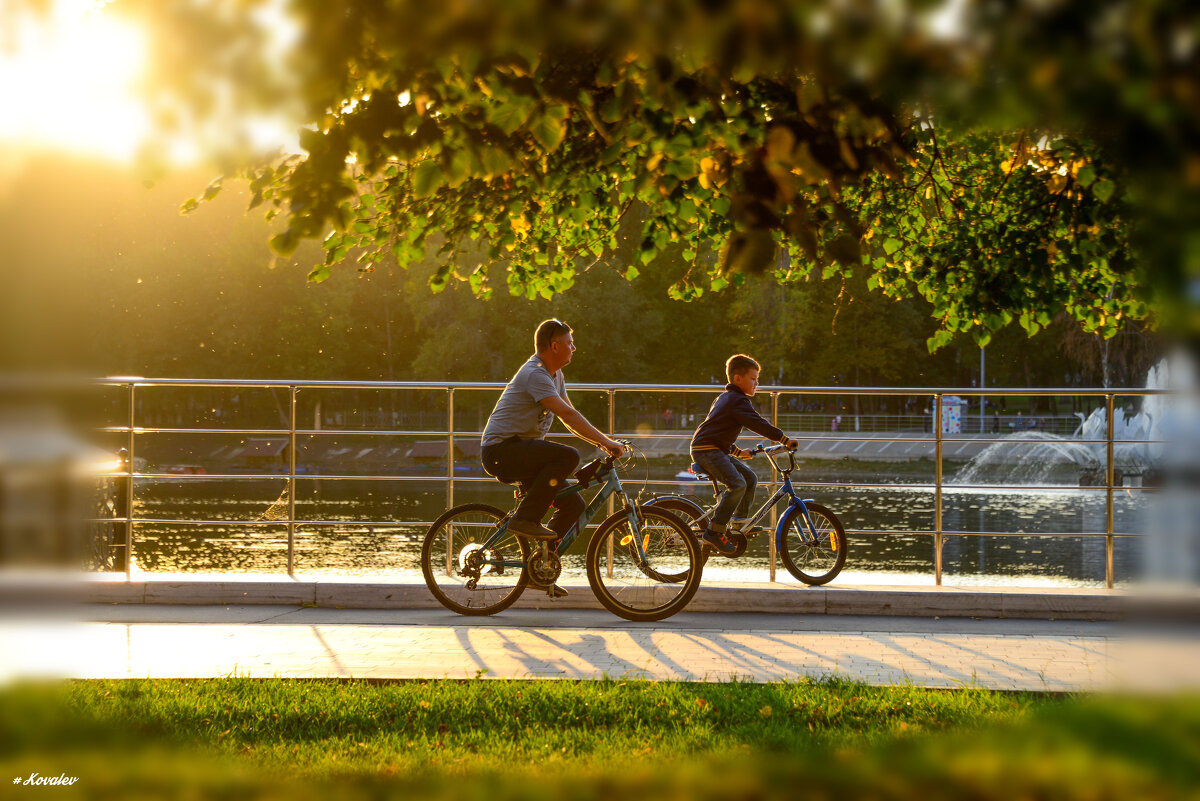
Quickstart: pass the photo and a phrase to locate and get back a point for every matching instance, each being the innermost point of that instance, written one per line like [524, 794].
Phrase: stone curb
[1053, 604]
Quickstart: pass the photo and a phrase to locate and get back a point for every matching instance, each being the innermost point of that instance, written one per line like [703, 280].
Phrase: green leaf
[511, 115]
[460, 166]
[428, 178]
[213, 189]
[939, 340]
[890, 246]
[1103, 190]
[319, 274]
[1086, 176]
[189, 205]
[285, 244]
[495, 161]
[550, 127]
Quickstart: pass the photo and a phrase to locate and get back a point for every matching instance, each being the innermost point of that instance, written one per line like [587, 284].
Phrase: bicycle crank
[544, 567]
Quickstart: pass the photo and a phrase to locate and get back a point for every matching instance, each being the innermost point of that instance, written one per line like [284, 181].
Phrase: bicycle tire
[688, 512]
[819, 563]
[476, 523]
[633, 591]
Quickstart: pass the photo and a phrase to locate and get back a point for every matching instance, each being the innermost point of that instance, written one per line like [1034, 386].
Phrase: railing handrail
[1098, 392]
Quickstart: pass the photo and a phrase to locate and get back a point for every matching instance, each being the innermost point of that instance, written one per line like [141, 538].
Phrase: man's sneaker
[528, 528]
[718, 542]
[744, 528]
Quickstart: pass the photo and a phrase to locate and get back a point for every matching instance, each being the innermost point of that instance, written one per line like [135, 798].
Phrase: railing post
[291, 552]
[612, 423]
[129, 490]
[612, 418]
[449, 447]
[1108, 513]
[775, 508]
[449, 477]
[937, 492]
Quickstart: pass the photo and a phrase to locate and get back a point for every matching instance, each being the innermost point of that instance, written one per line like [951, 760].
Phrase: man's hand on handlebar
[613, 448]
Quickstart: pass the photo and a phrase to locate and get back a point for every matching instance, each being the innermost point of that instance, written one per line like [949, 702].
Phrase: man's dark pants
[542, 467]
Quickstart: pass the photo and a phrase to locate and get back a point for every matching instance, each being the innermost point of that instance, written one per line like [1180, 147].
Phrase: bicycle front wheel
[655, 588]
[814, 556]
[688, 513]
[467, 567]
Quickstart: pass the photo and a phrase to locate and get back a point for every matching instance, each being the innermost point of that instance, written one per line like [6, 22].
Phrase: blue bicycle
[642, 563]
[809, 538]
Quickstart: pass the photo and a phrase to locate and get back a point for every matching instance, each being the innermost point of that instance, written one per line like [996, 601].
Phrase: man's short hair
[740, 364]
[547, 330]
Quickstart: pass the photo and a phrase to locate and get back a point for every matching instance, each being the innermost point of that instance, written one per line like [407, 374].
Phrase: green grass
[239, 738]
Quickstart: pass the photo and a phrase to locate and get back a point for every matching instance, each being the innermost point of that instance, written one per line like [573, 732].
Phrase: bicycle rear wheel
[651, 590]
[465, 576]
[817, 556]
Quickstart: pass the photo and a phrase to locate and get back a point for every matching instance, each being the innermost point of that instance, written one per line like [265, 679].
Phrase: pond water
[373, 528]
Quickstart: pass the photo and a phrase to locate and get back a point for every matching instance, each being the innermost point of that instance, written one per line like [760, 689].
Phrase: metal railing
[610, 393]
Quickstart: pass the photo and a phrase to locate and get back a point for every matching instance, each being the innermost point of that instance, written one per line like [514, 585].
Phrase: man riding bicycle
[514, 448]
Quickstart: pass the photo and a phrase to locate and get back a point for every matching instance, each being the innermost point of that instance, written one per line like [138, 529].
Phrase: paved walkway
[102, 641]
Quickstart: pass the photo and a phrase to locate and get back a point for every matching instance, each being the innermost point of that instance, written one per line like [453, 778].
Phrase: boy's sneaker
[744, 528]
[718, 542]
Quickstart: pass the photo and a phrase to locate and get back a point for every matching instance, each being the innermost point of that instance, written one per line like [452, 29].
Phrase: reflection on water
[380, 526]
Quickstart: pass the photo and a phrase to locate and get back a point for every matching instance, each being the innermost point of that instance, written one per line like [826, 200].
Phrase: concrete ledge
[229, 590]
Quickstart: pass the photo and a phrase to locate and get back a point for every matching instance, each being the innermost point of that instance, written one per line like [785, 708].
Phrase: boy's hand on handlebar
[791, 444]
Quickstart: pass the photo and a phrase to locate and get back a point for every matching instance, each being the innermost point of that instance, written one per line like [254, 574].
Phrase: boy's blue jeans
[738, 480]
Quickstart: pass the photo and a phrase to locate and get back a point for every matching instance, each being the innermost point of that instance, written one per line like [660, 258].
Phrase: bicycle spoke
[649, 582]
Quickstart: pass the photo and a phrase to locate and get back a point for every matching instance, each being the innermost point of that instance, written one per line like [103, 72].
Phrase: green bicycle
[475, 565]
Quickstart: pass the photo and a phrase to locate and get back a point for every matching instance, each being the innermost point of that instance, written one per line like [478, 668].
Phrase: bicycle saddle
[699, 471]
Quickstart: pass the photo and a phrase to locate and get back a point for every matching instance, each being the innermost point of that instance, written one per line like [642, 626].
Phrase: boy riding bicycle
[714, 450]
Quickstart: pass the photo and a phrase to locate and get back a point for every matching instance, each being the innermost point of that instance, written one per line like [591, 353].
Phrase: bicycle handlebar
[791, 452]
[609, 459]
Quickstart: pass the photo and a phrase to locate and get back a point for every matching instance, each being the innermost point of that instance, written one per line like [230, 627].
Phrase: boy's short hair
[547, 330]
[740, 364]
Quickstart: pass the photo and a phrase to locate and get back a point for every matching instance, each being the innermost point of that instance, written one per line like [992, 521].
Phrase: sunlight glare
[67, 84]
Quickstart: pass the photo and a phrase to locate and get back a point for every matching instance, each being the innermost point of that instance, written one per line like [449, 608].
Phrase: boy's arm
[749, 418]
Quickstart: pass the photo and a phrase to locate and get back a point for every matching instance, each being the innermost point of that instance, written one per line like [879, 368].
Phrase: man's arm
[578, 425]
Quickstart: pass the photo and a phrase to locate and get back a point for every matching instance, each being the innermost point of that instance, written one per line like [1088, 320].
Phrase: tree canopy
[1005, 161]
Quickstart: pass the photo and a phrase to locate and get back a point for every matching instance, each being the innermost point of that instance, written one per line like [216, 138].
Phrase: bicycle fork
[806, 531]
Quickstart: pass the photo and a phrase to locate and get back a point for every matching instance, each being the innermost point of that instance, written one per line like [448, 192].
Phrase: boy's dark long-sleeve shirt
[730, 413]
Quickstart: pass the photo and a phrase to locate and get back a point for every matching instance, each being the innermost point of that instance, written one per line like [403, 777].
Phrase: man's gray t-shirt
[519, 412]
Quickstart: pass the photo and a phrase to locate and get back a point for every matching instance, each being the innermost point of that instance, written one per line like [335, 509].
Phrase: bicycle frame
[809, 537]
[610, 485]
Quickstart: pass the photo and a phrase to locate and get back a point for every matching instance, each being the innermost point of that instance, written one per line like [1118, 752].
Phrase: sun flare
[67, 81]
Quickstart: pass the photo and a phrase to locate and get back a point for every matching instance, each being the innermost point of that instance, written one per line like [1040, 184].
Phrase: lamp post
[982, 384]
